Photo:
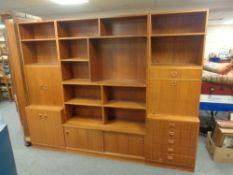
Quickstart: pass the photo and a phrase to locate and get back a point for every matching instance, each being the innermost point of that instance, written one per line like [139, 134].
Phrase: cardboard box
[218, 154]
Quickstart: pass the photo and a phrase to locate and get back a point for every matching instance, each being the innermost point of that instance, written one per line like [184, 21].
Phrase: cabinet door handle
[172, 125]
[45, 87]
[171, 133]
[174, 73]
[170, 149]
[67, 133]
[40, 116]
[41, 87]
[170, 141]
[45, 117]
[170, 157]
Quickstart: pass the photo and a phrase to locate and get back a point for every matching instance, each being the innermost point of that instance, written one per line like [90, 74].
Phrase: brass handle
[174, 74]
[45, 87]
[40, 116]
[170, 149]
[67, 133]
[45, 117]
[172, 125]
[170, 157]
[171, 133]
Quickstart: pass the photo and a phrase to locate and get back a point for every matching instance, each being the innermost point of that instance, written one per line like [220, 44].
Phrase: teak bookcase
[124, 86]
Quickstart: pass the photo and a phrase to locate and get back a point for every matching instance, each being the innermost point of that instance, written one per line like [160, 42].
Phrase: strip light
[69, 2]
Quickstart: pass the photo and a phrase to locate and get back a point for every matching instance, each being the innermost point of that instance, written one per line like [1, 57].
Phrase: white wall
[219, 37]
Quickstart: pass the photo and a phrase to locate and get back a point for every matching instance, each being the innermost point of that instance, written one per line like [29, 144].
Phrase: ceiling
[220, 10]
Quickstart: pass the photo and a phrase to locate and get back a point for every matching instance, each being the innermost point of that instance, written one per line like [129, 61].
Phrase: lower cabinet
[78, 138]
[127, 144]
[45, 125]
[172, 140]
[104, 141]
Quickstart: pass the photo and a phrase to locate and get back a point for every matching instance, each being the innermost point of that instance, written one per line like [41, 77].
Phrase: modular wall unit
[125, 87]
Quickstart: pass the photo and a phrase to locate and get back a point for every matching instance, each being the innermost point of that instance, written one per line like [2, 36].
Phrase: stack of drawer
[172, 140]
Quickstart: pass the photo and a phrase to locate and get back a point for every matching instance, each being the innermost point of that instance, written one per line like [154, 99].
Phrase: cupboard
[124, 86]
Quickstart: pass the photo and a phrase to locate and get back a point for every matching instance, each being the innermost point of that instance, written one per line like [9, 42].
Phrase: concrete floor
[32, 161]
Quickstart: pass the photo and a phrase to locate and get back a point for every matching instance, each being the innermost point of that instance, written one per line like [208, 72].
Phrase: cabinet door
[126, 144]
[77, 138]
[45, 126]
[44, 85]
[177, 97]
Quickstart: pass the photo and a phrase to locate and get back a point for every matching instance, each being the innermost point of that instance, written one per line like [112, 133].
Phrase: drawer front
[45, 126]
[174, 73]
[77, 138]
[127, 144]
[174, 97]
[172, 159]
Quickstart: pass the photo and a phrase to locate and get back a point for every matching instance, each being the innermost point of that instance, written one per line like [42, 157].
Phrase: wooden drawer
[124, 144]
[77, 138]
[45, 125]
[175, 73]
[172, 159]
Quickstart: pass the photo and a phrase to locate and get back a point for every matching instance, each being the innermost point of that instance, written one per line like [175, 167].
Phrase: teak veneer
[125, 86]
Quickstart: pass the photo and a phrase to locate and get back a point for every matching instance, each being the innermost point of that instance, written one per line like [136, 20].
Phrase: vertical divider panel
[103, 100]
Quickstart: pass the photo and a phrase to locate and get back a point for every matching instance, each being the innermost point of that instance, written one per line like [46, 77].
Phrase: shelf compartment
[114, 126]
[39, 30]
[75, 70]
[125, 97]
[43, 52]
[82, 95]
[134, 25]
[177, 50]
[86, 113]
[73, 49]
[192, 22]
[118, 59]
[129, 115]
[77, 81]
[78, 28]
[75, 60]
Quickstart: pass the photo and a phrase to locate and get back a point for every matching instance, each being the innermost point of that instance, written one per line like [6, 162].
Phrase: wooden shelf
[38, 39]
[115, 126]
[129, 83]
[177, 34]
[75, 60]
[119, 36]
[84, 102]
[77, 81]
[72, 38]
[125, 104]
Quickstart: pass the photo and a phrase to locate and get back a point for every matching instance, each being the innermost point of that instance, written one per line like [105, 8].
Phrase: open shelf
[125, 97]
[178, 34]
[77, 81]
[191, 22]
[43, 52]
[115, 126]
[40, 30]
[75, 60]
[85, 113]
[75, 70]
[119, 59]
[177, 50]
[82, 95]
[73, 49]
[38, 40]
[78, 28]
[134, 25]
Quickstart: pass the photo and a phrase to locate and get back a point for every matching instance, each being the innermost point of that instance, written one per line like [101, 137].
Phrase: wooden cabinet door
[177, 97]
[45, 126]
[77, 138]
[44, 85]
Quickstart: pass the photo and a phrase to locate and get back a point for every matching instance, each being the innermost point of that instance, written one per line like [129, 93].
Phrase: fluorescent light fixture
[228, 21]
[2, 26]
[69, 2]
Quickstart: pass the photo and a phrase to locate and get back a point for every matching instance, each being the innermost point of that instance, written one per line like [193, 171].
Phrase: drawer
[175, 73]
[127, 144]
[86, 139]
[172, 159]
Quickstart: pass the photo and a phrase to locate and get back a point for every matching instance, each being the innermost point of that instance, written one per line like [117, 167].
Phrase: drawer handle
[172, 125]
[170, 149]
[174, 74]
[67, 133]
[45, 117]
[45, 87]
[171, 133]
[40, 116]
[170, 157]
[173, 83]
